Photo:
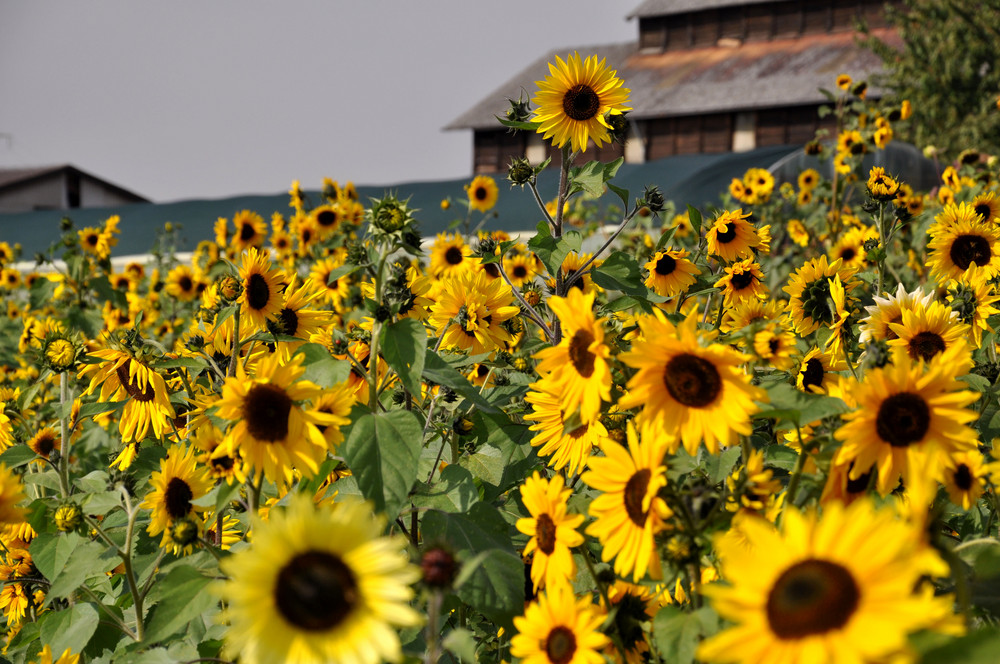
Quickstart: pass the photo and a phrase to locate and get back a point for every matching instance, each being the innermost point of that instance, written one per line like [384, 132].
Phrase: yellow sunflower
[11, 497]
[928, 329]
[334, 290]
[67, 656]
[293, 319]
[273, 430]
[629, 512]
[908, 415]
[809, 293]
[450, 255]
[251, 231]
[808, 179]
[731, 236]
[578, 364]
[775, 346]
[182, 284]
[327, 219]
[559, 628]
[470, 313]
[814, 369]
[987, 206]
[825, 590]
[574, 99]
[302, 596]
[482, 193]
[175, 487]
[687, 391]
[44, 442]
[94, 241]
[552, 530]
[850, 248]
[960, 239]
[561, 436]
[889, 310]
[521, 269]
[752, 312]
[964, 476]
[120, 377]
[670, 272]
[336, 402]
[261, 297]
[743, 280]
[972, 298]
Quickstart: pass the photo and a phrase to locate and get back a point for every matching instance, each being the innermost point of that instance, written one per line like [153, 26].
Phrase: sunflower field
[645, 432]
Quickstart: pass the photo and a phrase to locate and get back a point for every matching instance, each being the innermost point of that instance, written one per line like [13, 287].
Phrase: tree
[949, 69]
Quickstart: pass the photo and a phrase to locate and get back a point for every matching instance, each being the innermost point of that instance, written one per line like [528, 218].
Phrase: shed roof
[12, 177]
[753, 75]
[668, 7]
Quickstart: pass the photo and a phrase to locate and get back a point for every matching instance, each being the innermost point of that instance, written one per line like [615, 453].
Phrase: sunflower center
[692, 381]
[247, 232]
[560, 645]
[666, 265]
[545, 533]
[969, 249]
[289, 321]
[635, 492]
[983, 210]
[258, 292]
[326, 218]
[848, 254]
[963, 477]
[726, 234]
[903, 419]
[225, 463]
[811, 597]
[579, 353]
[581, 103]
[185, 283]
[520, 272]
[491, 269]
[925, 345]
[315, 591]
[133, 390]
[773, 345]
[92, 239]
[453, 256]
[859, 485]
[45, 444]
[266, 409]
[741, 280]
[177, 498]
[480, 193]
[816, 301]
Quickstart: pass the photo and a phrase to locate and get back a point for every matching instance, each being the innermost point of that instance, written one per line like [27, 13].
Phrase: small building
[706, 76]
[62, 187]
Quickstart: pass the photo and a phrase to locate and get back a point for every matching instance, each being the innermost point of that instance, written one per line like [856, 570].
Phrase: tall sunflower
[251, 230]
[928, 329]
[261, 298]
[629, 512]
[470, 312]
[564, 438]
[743, 280]
[182, 283]
[670, 272]
[450, 255]
[559, 628]
[731, 236]
[687, 391]
[574, 100]
[334, 290]
[908, 415]
[826, 589]
[303, 596]
[551, 528]
[482, 192]
[578, 365]
[889, 310]
[959, 239]
[809, 293]
[175, 486]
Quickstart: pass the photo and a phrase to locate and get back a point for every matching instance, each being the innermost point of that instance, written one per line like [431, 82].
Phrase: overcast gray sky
[184, 99]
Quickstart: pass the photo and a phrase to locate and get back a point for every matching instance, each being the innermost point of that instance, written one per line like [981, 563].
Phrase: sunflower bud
[619, 126]
[184, 532]
[68, 517]
[518, 111]
[653, 198]
[66, 224]
[60, 354]
[439, 567]
[463, 426]
[520, 171]
[230, 288]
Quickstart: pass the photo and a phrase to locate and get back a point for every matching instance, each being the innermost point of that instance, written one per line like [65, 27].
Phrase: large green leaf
[453, 490]
[70, 629]
[794, 407]
[17, 455]
[382, 451]
[321, 367]
[404, 347]
[677, 632]
[438, 371]
[179, 597]
[550, 250]
[978, 647]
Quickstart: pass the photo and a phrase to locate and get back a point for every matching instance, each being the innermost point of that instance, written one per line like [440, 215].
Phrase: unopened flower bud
[68, 517]
[439, 567]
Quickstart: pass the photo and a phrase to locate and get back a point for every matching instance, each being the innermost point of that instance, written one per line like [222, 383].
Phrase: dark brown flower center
[186, 284]
[581, 102]
[635, 492]
[903, 419]
[666, 265]
[848, 254]
[520, 272]
[963, 477]
[579, 353]
[545, 533]
[692, 381]
[925, 345]
[492, 270]
[224, 463]
[983, 210]
[453, 256]
[969, 249]
[258, 292]
[177, 498]
[133, 390]
[265, 410]
[326, 218]
[247, 232]
[480, 193]
[560, 645]
[315, 591]
[45, 443]
[811, 597]
[859, 485]
[741, 280]
[289, 321]
[726, 234]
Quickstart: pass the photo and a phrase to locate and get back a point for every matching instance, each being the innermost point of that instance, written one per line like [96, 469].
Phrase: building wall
[42, 194]
[95, 194]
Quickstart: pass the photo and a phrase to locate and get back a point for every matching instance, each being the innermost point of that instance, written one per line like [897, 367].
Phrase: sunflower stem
[800, 464]
[603, 589]
[64, 434]
[538, 199]
[235, 350]
[883, 255]
[847, 358]
[528, 309]
[433, 613]
[583, 268]
[126, 556]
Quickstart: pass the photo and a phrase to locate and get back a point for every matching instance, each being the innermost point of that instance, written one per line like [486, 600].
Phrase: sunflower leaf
[695, 216]
[180, 597]
[382, 451]
[588, 178]
[978, 647]
[664, 238]
[677, 632]
[70, 629]
[17, 455]
[620, 193]
[404, 347]
[515, 124]
[438, 371]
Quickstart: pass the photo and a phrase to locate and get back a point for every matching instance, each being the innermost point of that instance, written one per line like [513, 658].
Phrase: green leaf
[453, 490]
[552, 251]
[70, 629]
[90, 559]
[481, 528]
[620, 272]
[677, 632]
[792, 406]
[321, 367]
[665, 237]
[515, 124]
[719, 466]
[404, 347]
[382, 451]
[492, 582]
[588, 178]
[621, 193]
[436, 370]
[341, 272]
[180, 596]
[979, 647]
[695, 216]
[50, 551]
[611, 168]
[18, 455]
[461, 643]
[182, 362]
[91, 409]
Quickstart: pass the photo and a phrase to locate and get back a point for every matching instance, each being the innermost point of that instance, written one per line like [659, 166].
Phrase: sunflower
[11, 496]
[470, 313]
[482, 193]
[334, 290]
[687, 391]
[814, 368]
[751, 312]
[775, 345]
[251, 230]
[578, 364]
[293, 319]
[336, 402]
[808, 179]
[552, 530]
[731, 237]
[743, 280]
[273, 430]
[559, 628]
[809, 293]
[520, 269]
[928, 329]
[94, 242]
[450, 255]
[181, 284]
[44, 442]
[261, 297]
[959, 239]
[973, 298]
[559, 435]
[222, 464]
[301, 596]
[987, 206]
[574, 99]
[850, 248]
[232, 531]
[121, 376]
[327, 219]
[629, 512]
[827, 589]
[573, 262]
[908, 413]
[175, 487]
[307, 233]
[670, 272]
[889, 310]
[965, 477]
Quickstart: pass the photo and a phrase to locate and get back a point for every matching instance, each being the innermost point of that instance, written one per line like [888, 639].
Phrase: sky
[179, 100]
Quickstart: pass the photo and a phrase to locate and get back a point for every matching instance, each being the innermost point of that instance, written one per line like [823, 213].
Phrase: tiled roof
[668, 7]
[764, 74]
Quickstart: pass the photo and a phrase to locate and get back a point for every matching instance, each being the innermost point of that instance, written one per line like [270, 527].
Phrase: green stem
[884, 252]
[64, 434]
[126, 556]
[800, 464]
[235, 351]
